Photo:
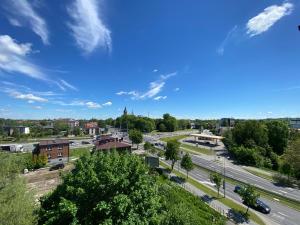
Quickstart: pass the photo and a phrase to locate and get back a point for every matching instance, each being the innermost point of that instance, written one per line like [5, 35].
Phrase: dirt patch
[43, 181]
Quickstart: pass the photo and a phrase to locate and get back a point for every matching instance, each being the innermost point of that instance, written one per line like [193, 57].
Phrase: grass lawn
[213, 193]
[260, 173]
[177, 138]
[195, 149]
[78, 152]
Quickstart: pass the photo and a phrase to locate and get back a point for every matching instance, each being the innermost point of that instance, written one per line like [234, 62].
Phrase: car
[262, 207]
[85, 142]
[178, 180]
[237, 189]
[57, 166]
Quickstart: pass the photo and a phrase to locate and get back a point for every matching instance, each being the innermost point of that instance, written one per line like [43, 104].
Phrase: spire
[125, 112]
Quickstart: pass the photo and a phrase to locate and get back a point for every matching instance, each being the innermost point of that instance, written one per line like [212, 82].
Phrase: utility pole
[224, 183]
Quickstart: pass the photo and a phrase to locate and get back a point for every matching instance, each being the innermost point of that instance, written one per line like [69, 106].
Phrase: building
[56, 151]
[295, 123]
[91, 128]
[73, 123]
[9, 130]
[125, 112]
[107, 142]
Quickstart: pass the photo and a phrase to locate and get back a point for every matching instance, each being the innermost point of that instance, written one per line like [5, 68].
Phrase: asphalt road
[246, 177]
[279, 214]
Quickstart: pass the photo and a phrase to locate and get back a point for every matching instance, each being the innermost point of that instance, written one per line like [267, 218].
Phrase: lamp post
[224, 183]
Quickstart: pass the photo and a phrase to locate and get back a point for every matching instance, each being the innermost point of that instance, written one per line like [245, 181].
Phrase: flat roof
[207, 136]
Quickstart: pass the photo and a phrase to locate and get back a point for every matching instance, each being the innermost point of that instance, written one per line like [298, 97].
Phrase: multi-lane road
[280, 214]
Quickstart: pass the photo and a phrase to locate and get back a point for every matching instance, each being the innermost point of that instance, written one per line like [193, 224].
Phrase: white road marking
[283, 191]
[276, 199]
[282, 214]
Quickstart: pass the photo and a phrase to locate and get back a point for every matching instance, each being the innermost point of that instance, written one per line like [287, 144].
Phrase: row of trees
[258, 143]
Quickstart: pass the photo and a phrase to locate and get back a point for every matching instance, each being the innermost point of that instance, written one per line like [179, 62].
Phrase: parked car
[85, 142]
[57, 166]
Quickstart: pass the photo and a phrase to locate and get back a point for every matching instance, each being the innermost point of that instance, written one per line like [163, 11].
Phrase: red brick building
[107, 142]
[56, 151]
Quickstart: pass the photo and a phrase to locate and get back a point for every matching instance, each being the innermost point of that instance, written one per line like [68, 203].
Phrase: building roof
[54, 142]
[207, 136]
[112, 145]
[91, 125]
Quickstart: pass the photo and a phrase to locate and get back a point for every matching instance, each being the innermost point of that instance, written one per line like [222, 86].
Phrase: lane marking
[282, 214]
[276, 199]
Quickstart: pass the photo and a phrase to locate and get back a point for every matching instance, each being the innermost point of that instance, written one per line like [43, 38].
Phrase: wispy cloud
[14, 58]
[159, 98]
[22, 14]
[176, 89]
[32, 98]
[67, 85]
[155, 71]
[266, 19]
[84, 103]
[87, 26]
[228, 37]
[155, 87]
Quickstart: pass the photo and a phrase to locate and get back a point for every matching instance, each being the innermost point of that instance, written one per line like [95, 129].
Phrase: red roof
[91, 125]
[112, 145]
[54, 142]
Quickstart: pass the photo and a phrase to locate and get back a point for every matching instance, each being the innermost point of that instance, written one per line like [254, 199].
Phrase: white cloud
[266, 19]
[176, 89]
[154, 89]
[93, 105]
[155, 71]
[14, 58]
[21, 14]
[87, 26]
[160, 98]
[107, 104]
[37, 107]
[29, 97]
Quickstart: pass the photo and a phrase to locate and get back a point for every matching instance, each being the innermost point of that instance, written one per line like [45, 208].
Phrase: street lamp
[224, 184]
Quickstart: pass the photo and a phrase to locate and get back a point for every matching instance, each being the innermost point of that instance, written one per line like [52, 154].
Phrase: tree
[278, 134]
[286, 169]
[250, 131]
[136, 137]
[17, 203]
[76, 131]
[187, 163]
[104, 188]
[217, 180]
[16, 134]
[147, 146]
[172, 151]
[249, 196]
[292, 157]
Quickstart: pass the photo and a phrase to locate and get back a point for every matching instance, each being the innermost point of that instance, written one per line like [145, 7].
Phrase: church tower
[125, 112]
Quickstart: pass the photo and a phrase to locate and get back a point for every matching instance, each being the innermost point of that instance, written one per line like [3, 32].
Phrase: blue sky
[193, 59]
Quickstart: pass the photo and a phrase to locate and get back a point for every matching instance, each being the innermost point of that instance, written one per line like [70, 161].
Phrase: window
[49, 156]
[60, 147]
[49, 148]
[59, 154]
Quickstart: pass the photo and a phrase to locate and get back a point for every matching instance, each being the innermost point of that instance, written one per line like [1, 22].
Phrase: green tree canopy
[249, 196]
[187, 163]
[250, 133]
[278, 134]
[217, 180]
[16, 202]
[136, 136]
[104, 189]
[172, 151]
